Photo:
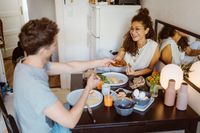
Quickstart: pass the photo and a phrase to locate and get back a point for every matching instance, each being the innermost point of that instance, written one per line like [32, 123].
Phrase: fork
[90, 113]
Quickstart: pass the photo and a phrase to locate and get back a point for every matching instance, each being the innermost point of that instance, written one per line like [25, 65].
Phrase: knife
[90, 113]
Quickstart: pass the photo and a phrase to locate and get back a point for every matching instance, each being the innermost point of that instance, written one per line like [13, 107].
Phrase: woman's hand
[93, 81]
[130, 70]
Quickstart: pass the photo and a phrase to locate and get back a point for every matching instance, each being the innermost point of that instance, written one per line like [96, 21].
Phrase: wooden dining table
[157, 117]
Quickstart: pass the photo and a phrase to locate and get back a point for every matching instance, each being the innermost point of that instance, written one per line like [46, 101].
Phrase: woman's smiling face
[138, 31]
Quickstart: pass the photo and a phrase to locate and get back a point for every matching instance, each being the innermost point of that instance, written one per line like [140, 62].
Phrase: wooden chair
[9, 119]
[2, 42]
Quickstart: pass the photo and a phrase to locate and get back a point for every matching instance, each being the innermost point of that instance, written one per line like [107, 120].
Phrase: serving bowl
[142, 101]
[124, 106]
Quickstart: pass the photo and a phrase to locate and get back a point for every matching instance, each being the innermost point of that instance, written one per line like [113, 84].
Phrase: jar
[182, 97]
[170, 93]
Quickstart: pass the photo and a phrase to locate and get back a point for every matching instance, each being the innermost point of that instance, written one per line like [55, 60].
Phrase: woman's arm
[166, 55]
[191, 52]
[147, 70]
[120, 55]
[77, 66]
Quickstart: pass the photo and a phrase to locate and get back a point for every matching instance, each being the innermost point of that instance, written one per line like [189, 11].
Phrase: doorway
[13, 13]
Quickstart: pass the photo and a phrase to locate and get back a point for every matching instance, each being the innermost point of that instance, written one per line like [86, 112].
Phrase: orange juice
[108, 101]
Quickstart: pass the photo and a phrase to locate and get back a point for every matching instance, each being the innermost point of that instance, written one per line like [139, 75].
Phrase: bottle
[182, 97]
[170, 93]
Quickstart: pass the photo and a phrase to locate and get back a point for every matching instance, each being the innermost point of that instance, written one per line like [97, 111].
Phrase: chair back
[9, 119]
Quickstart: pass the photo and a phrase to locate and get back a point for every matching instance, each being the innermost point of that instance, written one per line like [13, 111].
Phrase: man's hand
[93, 81]
[105, 62]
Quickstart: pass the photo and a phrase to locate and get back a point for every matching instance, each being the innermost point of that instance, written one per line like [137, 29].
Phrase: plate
[145, 107]
[114, 93]
[110, 69]
[93, 100]
[137, 82]
[119, 76]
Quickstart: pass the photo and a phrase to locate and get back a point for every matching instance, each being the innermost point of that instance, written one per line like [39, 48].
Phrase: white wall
[41, 8]
[184, 14]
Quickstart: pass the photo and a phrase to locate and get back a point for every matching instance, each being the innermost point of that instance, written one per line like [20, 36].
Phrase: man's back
[32, 96]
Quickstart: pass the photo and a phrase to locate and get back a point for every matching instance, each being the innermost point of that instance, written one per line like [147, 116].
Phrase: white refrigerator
[107, 25]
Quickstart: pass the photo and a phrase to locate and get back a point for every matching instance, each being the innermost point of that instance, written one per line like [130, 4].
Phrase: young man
[33, 99]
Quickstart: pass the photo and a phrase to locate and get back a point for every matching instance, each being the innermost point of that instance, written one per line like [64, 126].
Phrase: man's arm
[192, 52]
[69, 118]
[77, 66]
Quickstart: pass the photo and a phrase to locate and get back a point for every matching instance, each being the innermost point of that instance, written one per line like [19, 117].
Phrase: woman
[139, 49]
[174, 46]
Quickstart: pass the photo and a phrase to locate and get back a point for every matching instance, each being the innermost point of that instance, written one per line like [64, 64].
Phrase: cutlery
[90, 113]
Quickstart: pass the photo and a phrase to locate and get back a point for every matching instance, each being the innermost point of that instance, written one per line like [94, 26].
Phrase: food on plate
[104, 79]
[118, 63]
[114, 80]
[92, 99]
[141, 95]
[110, 79]
[137, 82]
[136, 92]
[122, 93]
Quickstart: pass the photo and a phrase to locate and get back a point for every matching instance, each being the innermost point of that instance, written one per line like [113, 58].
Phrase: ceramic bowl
[142, 102]
[124, 107]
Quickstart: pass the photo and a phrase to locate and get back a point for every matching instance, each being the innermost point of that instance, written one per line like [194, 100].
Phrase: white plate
[93, 100]
[145, 107]
[119, 76]
[110, 69]
[114, 93]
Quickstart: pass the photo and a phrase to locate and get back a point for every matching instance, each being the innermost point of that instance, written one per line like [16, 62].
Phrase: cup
[108, 101]
[154, 90]
[105, 89]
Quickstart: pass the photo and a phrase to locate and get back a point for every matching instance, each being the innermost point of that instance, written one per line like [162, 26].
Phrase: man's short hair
[36, 34]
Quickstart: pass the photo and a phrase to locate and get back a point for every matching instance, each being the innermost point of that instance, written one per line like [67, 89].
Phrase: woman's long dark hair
[183, 43]
[143, 16]
[166, 31]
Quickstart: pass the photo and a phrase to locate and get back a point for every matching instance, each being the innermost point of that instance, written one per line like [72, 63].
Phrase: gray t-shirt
[31, 96]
